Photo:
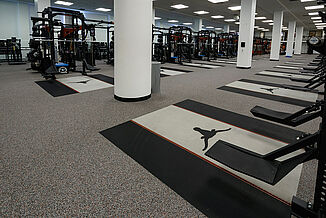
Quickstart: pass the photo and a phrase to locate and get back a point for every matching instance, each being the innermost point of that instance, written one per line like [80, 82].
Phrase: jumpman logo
[83, 82]
[208, 134]
[271, 90]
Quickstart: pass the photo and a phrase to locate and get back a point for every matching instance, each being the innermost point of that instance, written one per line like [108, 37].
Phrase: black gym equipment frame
[180, 44]
[44, 39]
[206, 45]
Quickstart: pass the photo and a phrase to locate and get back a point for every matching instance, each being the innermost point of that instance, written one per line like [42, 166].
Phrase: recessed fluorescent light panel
[260, 18]
[218, 1]
[235, 8]
[317, 21]
[315, 18]
[314, 7]
[229, 20]
[210, 27]
[267, 21]
[157, 18]
[173, 21]
[187, 23]
[313, 13]
[103, 9]
[320, 24]
[63, 3]
[179, 6]
[201, 12]
[307, 0]
[218, 28]
[271, 24]
[217, 16]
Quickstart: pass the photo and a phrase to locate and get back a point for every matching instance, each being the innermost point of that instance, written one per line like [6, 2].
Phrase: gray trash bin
[156, 77]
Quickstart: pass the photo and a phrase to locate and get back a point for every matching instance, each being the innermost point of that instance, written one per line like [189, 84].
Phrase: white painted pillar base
[290, 41]
[246, 33]
[132, 58]
[276, 36]
[298, 40]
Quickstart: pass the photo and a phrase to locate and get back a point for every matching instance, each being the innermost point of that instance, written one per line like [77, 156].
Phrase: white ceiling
[293, 10]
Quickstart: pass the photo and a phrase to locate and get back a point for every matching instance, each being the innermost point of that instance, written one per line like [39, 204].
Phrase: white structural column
[276, 36]
[198, 25]
[298, 40]
[290, 41]
[153, 16]
[40, 5]
[246, 33]
[132, 58]
[226, 28]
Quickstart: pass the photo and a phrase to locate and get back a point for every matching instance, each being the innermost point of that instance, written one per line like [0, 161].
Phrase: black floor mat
[55, 88]
[213, 190]
[103, 78]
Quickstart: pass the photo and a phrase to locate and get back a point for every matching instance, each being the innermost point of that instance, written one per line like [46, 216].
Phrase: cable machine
[71, 40]
[179, 42]
[227, 45]
[206, 45]
[11, 49]
[160, 44]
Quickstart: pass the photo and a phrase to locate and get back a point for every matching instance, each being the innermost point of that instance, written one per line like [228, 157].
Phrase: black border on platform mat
[55, 88]
[213, 190]
[231, 62]
[211, 63]
[207, 68]
[296, 63]
[270, 84]
[261, 127]
[274, 76]
[267, 96]
[103, 78]
[282, 67]
[294, 73]
[290, 65]
[226, 62]
[176, 69]
[278, 76]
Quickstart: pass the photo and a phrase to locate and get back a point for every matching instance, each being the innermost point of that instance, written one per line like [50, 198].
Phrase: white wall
[15, 20]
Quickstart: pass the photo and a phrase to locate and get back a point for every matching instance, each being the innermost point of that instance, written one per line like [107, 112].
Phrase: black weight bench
[263, 167]
[295, 119]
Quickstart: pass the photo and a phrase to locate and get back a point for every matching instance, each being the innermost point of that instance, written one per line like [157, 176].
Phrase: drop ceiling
[293, 10]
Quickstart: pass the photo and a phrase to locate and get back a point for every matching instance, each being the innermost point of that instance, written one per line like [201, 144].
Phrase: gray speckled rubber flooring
[54, 162]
